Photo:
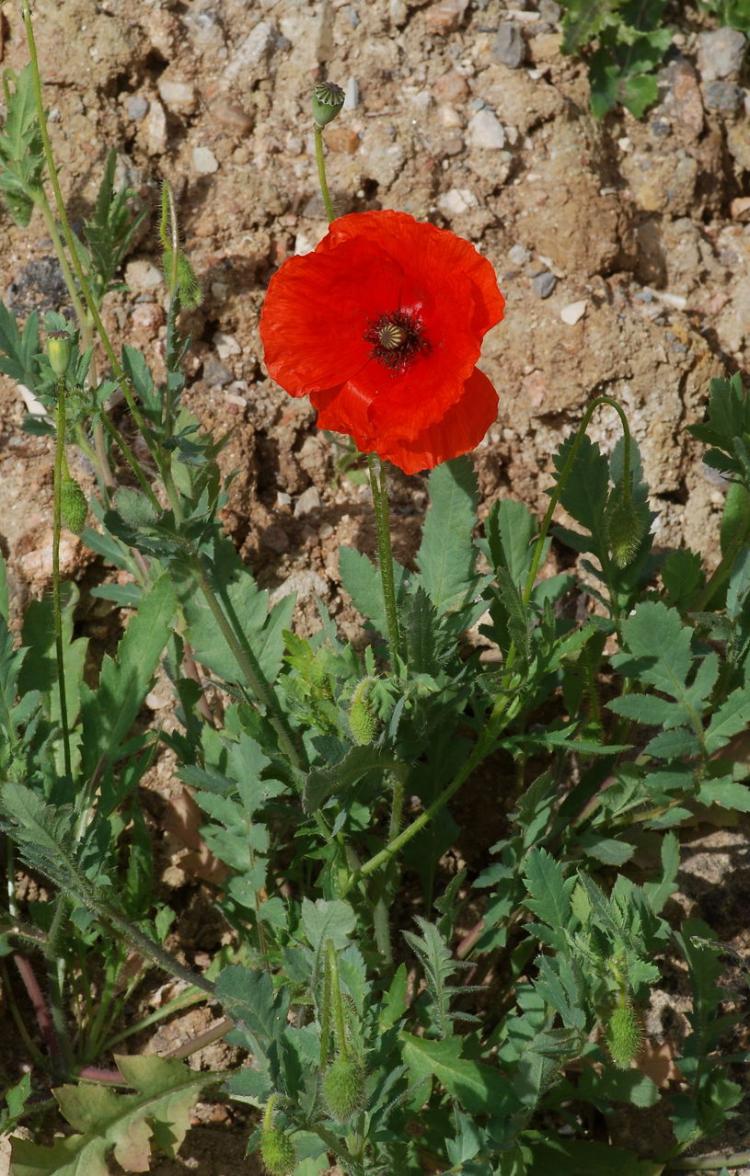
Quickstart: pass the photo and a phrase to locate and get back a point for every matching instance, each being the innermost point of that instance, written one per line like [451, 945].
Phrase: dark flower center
[396, 339]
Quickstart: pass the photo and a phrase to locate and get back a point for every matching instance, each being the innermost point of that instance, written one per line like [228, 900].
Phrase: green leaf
[446, 553]
[394, 1002]
[510, 529]
[647, 709]
[673, 744]
[739, 585]
[732, 717]
[21, 154]
[337, 779]
[730, 794]
[548, 889]
[657, 637]
[479, 1089]
[249, 999]
[323, 920]
[109, 712]
[125, 1125]
[361, 579]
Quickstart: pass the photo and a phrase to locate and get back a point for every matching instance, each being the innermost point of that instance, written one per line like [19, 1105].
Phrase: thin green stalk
[722, 572]
[56, 596]
[184, 1001]
[131, 460]
[48, 216]
[385, 555]
[150, 949]
[339, 1023]
[320, 160]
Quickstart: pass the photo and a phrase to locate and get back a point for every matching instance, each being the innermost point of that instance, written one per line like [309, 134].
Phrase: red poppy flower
[381, 326]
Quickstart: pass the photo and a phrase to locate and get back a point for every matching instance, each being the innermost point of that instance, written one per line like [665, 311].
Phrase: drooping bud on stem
[626, 522]
[327, 100]
[623, 1034]
[73, 505]
[58, 352]
[362, 719]
[276, 1147]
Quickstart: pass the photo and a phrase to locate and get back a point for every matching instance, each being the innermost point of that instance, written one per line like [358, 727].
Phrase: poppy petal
[460, 430]
[434, 255]
[317, 311]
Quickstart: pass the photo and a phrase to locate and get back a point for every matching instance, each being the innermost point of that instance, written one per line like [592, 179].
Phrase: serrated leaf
[673, 744]
[548, 889]
[730, 794]
[361, 579]
[656, 636]
[510, 529]
[647, 709]
[446, 554]
[337, 779]
[732, 717]
[479, 1088]
[125, 1125]
[322, 920]
[109, 712]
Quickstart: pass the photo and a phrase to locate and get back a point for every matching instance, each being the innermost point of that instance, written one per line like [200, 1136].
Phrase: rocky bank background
[622, 248]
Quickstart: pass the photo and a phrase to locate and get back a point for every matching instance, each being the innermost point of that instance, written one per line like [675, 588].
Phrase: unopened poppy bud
[58, 352]
[327, 100]
[277, 1152]
[626, 523]
[74, 506]
[623, 1036]
[362, 722]
[344, 1088]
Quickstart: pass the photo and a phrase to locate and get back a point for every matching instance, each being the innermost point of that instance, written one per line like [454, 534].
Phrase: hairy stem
[385, 554]
[320, 161]
[56, 595]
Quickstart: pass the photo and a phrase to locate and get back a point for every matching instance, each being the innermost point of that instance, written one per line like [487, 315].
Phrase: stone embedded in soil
[445, 15]
[232, 117]
[721, 53]
[252, 52]
[142, 276]
[39, 286]
[457, 201]
[205, 162]
[342, 139]
[509, 47]
[215, 373]
[307, 502]
[179, 97]
[485, 132]
[136, 107]
[740, 208]
[549, 11]
[156, 128]
[573, 312]
[543, 284]
[450, 87]
[226, 345]
[726, 97]
[351, 94]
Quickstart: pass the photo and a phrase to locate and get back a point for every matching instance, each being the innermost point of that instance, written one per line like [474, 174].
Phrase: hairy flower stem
[56, 595]
[320, 161]
[385, 555]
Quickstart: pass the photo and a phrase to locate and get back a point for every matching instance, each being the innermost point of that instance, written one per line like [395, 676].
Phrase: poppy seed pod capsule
[623, 1035]
[58, 352]
[277, 1152]
[73, 505]
[361, 718]
[344, 1088]
[327, 100]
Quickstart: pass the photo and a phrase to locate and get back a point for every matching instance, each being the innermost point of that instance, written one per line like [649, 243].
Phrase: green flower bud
[344, 1088]
[75, 508]
[277, 1152]
[362, 721]
[327, 100]
[626, 523]
[623, 1036]
[58, 352]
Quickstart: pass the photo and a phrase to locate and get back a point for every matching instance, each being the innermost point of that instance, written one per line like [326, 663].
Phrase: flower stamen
[397, 338]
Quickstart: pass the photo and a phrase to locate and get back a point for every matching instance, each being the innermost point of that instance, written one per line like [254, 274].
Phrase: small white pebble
[573, 312]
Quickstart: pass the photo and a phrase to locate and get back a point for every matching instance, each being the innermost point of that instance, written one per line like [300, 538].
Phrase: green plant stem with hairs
[320, 161]
[385, 554]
